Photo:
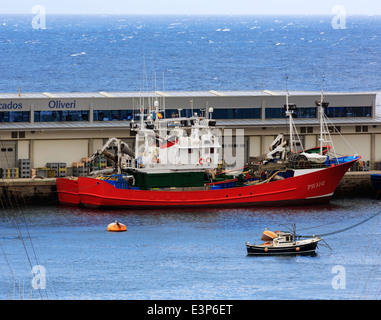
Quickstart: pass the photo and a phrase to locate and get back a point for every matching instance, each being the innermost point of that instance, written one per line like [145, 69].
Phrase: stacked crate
[62, 170]
[79, 169]
[377, 165]
[25, 170]
[11, 173]
[59, 168]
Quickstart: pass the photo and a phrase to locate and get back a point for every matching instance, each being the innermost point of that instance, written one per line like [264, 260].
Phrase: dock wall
[356, 184]
[15, 193]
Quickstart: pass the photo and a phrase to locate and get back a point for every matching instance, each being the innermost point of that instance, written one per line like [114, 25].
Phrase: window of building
[114, 115]
[348, 112]
[334, 129]
[14, 116]
[237, 113]
[61, 116]
[305, 113]
[361, 129]
[306, 130]
[276, 113]
[173, 113]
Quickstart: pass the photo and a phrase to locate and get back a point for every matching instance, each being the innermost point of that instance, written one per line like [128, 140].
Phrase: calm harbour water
[191, 254]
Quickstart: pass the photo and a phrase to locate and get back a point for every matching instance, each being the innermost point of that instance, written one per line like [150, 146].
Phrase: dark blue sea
[188, 254]
[115, 53]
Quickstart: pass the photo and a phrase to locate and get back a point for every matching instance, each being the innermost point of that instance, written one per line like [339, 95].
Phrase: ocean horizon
[85, 53]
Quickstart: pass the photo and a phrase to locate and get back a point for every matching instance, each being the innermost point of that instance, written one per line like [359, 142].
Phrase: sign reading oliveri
[58, 104]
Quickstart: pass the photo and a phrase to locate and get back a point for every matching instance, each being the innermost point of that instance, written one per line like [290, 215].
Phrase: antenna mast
[321, 112]
[289, 114]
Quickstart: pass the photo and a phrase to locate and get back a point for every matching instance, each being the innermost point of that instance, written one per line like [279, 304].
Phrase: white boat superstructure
[168, 145]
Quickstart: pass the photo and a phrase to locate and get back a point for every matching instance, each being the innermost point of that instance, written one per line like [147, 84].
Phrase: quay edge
[16, 193]
[356, 184]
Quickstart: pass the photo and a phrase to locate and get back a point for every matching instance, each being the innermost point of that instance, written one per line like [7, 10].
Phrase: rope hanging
[348, 228]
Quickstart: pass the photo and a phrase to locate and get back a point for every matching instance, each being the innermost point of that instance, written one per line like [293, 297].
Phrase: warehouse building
[66, 127]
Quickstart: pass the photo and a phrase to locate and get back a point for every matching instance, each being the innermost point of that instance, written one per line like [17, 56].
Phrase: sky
[254, 7]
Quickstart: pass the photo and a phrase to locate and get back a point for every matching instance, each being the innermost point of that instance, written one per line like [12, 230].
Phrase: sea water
[145, 53]
[187, 254]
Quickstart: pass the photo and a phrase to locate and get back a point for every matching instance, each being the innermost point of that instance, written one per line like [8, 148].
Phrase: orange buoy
[297, 249]
[116, 227]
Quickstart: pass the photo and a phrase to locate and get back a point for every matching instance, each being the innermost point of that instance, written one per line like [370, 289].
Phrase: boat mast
[289, 114]
[321, 112]
[163, 105]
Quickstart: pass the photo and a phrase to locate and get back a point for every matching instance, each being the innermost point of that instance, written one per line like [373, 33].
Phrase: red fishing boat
[313, 187]
[178, 168]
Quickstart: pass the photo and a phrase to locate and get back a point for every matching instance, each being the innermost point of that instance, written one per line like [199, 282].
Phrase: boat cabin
[284, 238]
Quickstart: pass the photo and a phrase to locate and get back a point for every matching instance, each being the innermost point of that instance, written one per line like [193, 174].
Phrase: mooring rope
[347, 228]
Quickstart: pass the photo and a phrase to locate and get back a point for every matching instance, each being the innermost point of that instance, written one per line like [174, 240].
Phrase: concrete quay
[356, 184]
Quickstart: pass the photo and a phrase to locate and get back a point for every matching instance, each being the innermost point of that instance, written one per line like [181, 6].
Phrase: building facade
[65, 127]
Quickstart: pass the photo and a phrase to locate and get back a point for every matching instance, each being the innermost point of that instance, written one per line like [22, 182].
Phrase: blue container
[119, 184]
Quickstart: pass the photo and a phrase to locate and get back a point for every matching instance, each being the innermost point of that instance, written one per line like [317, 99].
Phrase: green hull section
[147, 181]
